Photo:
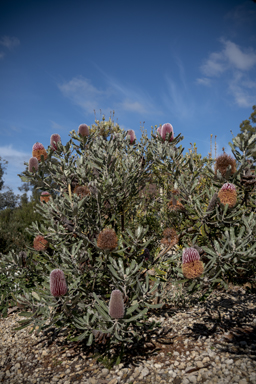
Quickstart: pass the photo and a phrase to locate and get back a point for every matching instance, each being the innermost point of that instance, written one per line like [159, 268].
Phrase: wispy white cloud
[56, 126]
[2, 54]
[9, 42]
[14, 157]
[121, 98]
[237, 64]
[204, 81]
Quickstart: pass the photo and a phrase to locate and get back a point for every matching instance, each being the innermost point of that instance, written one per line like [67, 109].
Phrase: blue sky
[191, 64]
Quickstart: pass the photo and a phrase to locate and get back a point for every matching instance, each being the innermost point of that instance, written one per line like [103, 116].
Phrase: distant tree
[8, 198]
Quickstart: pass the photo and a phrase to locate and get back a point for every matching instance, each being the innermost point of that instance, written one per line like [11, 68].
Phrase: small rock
[192, 379]
[144, 372]
[113, 381]
[105, 371]
[230, 361]
[243, 381]
[199, 364]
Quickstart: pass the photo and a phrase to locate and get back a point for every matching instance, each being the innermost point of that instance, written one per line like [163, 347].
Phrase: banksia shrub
[170, 237]
[33, 163]
[58, 285]
[116, 305]
[107, 239]
[82, 191]
[45, 196]
[38, 150]
[40, 243]
[227, 195]
[55, 138]
[131, 135]
[222, 163]
[83, 129]
[192, 266]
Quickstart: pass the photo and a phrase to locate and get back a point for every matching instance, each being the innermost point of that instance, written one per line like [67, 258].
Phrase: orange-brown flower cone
[175, 207]
[38, 152]
[193, 269]
[45, 197]
[40, 244]
[107, 239]
[227, 195]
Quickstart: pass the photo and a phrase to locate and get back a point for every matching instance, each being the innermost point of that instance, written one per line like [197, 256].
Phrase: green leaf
[35, 296]
[142, 313]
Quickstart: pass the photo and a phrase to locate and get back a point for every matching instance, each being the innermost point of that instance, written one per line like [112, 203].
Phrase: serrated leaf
[142, 313]
[35, 295]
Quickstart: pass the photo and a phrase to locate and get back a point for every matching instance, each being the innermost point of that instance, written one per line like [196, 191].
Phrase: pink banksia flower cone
[167, 129]
[55, 138]
[116, 305]
[227, 195]
[38, 150]
[45, 196]
[131, 134]
[83, 129]
[33, 162]
[192, 266]
[58, 285]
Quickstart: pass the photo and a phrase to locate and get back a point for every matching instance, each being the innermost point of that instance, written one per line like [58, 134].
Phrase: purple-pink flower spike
[189, 255]
[159, 130]
[116, 305]
[167, 128]
[83, 129]
[55, 138]
[33, 162]
[228, 187]
[131, 133]
[58, 285]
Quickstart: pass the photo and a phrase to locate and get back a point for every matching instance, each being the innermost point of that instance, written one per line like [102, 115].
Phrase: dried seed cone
[82, 191]
[45, 196]
[222, 163]
[23, 257]
[83, 129]
[38, 150]
[116, 305]
[192, 266]
[33, 162]
[40, 244]
[58, 285]
[227, 195]
[170, 237]
[107, 239]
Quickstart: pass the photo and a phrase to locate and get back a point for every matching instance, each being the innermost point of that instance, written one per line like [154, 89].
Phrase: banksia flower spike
[23, 257]
[116, 305]
[45, 196]
[212, 203]
[222, 163]
[33, 163]
[170, 237]
[192, 266]
[107, 239]
[58, 285]
[83, 129]
[40, 243]
[38, 150]
[55, 138]
[227, 195]
[131, 135]
[165, 129]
